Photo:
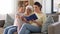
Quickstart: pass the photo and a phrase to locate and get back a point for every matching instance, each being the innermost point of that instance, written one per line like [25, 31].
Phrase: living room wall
[45, 3]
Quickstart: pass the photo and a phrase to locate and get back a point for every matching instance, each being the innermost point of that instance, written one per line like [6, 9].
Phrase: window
[6, 6]
[55, 5]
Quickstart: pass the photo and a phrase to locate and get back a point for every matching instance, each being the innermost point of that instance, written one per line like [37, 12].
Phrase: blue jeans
[10, 30]
[27, 29]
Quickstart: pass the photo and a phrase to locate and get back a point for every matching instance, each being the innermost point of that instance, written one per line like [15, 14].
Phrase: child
[18, 21]
[12, 29]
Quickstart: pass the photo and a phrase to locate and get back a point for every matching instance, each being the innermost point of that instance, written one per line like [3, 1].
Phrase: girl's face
[28, 11]
[36, 8]
[21, 10]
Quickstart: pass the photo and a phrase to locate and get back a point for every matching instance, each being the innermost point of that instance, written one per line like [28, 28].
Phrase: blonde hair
[29, 7]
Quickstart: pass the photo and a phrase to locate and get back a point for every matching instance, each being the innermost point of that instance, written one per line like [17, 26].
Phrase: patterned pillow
[46, 24]
[9, 21]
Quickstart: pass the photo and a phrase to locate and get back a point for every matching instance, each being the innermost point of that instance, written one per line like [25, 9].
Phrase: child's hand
[17, 16]
[24, 19]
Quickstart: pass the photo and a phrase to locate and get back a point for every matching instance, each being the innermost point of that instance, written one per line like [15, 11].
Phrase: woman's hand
[34, 21]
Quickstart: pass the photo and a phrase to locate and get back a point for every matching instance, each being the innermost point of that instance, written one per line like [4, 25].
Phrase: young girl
[17, 22]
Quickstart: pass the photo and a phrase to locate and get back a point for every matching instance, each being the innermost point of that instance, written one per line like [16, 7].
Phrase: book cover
[31, 17]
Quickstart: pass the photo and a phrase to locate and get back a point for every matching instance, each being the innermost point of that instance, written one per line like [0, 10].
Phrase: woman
[35, 25]
[17, 22]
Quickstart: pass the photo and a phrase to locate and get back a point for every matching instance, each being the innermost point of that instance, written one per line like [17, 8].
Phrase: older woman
[35, 25]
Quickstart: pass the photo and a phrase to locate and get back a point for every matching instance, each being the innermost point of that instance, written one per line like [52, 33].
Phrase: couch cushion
[9, 21]
[31, 33]
[46, 24]
[36, 33]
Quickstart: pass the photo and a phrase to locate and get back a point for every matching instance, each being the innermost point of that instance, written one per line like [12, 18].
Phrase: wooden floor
[1, 30]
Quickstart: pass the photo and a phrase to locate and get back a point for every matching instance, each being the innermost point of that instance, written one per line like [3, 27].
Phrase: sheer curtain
[7, 7]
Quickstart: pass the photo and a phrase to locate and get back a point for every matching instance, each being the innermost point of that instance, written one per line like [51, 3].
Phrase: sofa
[52, 28]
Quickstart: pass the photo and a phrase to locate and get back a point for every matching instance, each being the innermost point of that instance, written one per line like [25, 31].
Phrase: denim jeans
[27, 29]
[10, 30]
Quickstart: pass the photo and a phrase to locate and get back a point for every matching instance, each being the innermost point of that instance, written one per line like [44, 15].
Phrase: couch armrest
[2, 22]
[54, 28]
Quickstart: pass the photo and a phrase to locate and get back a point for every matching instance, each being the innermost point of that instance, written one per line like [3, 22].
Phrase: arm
[15, 21]
[39, 23]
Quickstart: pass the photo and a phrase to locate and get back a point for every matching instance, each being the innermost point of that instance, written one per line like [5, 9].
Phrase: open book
[31, 17]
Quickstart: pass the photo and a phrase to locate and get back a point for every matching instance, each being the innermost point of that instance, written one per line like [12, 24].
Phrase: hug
[28, 20]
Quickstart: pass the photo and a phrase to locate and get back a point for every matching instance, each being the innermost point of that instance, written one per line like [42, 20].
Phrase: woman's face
[21, 10]
[36, 8]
